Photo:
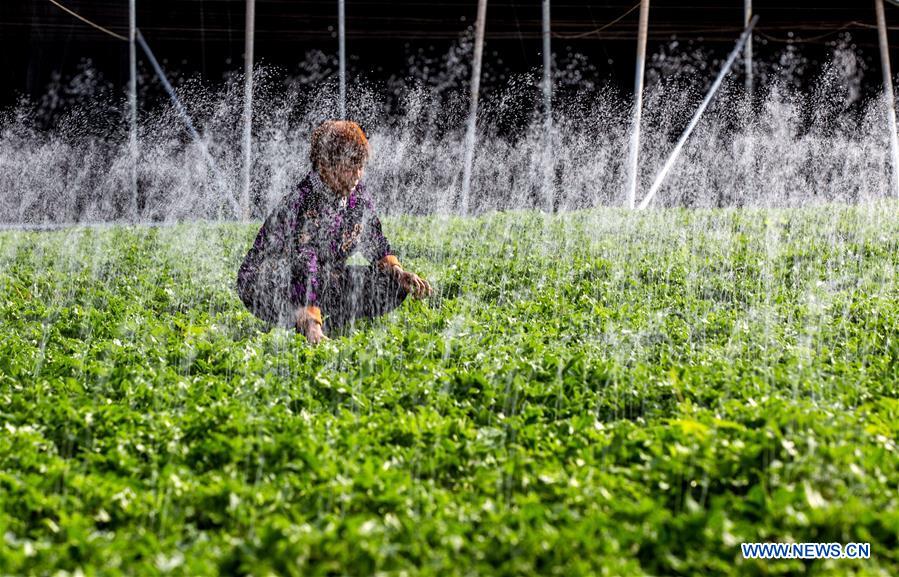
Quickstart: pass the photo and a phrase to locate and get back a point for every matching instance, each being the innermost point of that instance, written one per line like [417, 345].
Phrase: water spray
[179, 107]
[695, 120]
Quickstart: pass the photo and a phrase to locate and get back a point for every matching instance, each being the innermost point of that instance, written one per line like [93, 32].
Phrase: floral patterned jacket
[309, 235]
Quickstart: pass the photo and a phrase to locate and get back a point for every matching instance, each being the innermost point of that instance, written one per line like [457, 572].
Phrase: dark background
[206, 37]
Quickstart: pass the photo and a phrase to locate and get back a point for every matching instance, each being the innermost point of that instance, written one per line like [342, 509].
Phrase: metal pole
[547, 63]
[747, 54]
[341, 33]
[698, 114]
[634, 149]
[888, 90]
[248, 110]
[179, 108]
[473, 106]
[132, 99]
[547, 110]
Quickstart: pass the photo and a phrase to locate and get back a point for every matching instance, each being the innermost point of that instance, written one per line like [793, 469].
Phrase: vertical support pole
[548, 168]
[747, 53]
[888, 90]
[634, 149]
[480, 24]
[248, 111]
[341, 33]
[132, 100]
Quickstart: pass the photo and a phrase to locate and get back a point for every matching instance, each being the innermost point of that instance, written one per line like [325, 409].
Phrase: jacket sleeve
[279, 275]
[373, 244]
[305, 286]
[304, 289]
[265, 273]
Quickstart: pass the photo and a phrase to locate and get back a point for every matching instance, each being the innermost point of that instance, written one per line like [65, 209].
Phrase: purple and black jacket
[302, 248]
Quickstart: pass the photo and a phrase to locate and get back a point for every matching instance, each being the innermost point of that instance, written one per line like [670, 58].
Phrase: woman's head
[339, 152]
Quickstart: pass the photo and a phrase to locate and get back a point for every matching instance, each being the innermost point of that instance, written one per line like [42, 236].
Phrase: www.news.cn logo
[806, 550]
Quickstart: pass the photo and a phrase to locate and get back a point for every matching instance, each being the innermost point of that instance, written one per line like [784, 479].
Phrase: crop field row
[594, 393]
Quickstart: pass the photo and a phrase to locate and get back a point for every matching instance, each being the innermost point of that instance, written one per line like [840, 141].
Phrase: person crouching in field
[296, 275]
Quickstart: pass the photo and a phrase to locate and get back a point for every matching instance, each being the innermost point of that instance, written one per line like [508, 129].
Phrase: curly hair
[338, 143]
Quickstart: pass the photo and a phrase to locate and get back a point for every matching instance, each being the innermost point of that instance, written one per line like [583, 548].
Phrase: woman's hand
[414, 284]
[314, 333]
[310, 325]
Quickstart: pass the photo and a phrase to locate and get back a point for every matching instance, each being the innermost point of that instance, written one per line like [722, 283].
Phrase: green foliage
[598, 393]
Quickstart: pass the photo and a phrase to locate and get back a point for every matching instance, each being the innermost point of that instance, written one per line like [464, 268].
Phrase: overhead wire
[600, 29]
[812, 40]
[89, 22]
[519, 35]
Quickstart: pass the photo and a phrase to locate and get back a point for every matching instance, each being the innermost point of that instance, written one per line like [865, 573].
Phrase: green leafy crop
[596, 393]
